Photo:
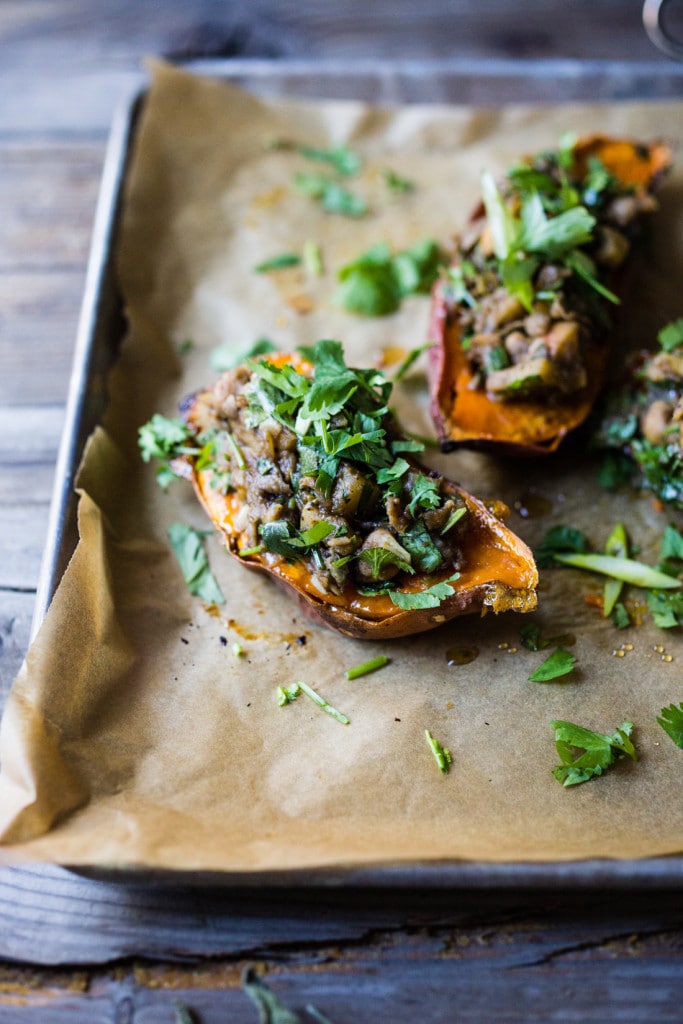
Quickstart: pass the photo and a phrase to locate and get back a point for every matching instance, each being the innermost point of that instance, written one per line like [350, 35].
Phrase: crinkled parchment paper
[134, 735]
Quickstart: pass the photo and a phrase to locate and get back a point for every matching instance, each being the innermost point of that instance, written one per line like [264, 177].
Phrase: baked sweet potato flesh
[520, 325]
[371, 552]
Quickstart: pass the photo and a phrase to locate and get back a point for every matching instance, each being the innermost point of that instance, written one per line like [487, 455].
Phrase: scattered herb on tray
[280, 262]
[375, 283]
[368, 666]
[559, 663]
[442, 755]
[671, 722]
[187, 546]
[585, 754]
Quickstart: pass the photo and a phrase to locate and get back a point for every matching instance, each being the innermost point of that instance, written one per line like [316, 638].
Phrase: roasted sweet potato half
[304, 472]
[522, 321]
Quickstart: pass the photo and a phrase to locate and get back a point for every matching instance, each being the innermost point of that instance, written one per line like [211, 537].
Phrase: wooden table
[76, 949]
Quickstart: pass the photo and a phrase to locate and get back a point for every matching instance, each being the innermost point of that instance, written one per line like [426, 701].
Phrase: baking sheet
[114, 740]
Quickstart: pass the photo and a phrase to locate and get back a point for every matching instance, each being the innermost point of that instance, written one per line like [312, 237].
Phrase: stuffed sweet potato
[641, 424]
[521, 320]
[302, 469]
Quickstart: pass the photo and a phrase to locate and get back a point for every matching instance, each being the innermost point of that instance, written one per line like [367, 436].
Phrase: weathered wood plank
[39, 321]
[49, 191]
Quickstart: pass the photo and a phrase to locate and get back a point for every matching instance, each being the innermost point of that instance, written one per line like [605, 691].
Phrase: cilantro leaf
[375, 282]
[671, 722]
[598, 751]
[163, 438]
[379, 558]
[343, 160]
[672, 544]
[666, 608]
[285, 259]
[554, 237]
[424, 494]
[194, 565]
[424, 553]
[429, 598]
[397, 183]
[559, 539]
[557, 664]
[620, 616]
[333, 197]
[671, 336]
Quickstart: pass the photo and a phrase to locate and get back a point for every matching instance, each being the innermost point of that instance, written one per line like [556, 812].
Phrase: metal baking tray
[102, 326]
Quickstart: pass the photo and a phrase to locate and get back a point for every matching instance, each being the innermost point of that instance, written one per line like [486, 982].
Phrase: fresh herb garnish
[586, 754]
[530, 637]
[376, 281]
[620, 616]
[164, 438]
[286, 694]
[368, 666]
[333, 197]
[559, 539]
[557, 664]
[431, 597]
[396, 182]
[342, 159]
[194, 565]
[317, 699]
[671, 722]
[442, 755]
[285, 259]
[671, 336]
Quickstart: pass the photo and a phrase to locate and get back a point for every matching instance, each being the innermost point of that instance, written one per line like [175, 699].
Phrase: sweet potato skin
[465, 415]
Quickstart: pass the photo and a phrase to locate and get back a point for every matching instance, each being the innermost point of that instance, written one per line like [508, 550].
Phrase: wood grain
[75, 949]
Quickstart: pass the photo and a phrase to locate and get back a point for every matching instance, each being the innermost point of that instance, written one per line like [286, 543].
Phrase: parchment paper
[134, 735]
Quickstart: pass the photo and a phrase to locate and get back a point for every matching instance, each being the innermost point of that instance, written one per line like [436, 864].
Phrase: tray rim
[647, 873]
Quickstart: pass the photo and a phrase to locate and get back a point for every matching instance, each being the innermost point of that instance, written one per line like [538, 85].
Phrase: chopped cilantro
[429, 598]
[333, 197]
[585, 754]
[397, 183]
[442, 755]
[375, 282]
[194, 565]
[285, 259]
[671, 722]
[671, 336]
[163, 438]
[557, 664]
[666, 608]
[559, 539]
[343, 160]
[530, 636]
[424, 494]
[379, 558]
[424, 553]
[620, 616]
